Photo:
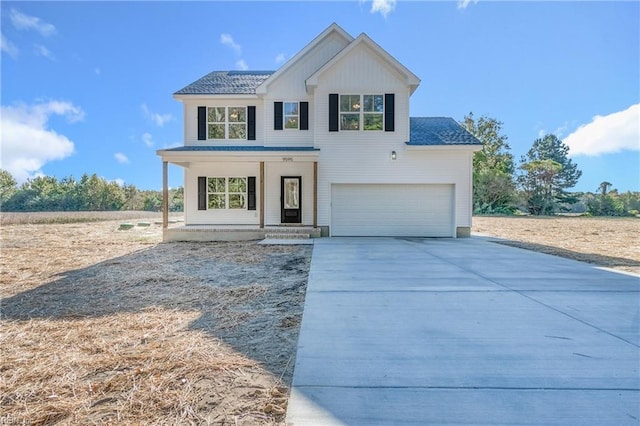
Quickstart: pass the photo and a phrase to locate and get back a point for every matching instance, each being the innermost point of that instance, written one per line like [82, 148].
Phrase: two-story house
[325, 142]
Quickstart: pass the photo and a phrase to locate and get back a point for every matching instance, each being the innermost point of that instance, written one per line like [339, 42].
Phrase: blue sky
[87, 86]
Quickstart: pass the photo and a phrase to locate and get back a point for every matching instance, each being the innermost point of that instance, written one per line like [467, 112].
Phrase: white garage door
[360, 210]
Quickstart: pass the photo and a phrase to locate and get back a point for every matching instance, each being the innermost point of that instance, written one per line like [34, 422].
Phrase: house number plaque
[287, 159]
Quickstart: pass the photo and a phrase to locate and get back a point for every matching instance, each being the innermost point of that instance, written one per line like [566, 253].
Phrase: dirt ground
[107, 326]
[608, 242]
[101, 326]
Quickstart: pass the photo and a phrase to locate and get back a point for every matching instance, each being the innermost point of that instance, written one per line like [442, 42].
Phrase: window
[373, 111]
[349, 112]
[291, 115]
[361, 112]
[226, 123]
[227, 193]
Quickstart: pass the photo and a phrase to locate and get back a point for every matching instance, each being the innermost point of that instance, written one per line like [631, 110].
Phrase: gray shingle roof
[226, 83]
[242, 148]
[439, 131]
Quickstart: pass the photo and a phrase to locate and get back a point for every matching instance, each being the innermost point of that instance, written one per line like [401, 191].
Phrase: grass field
[108, 326]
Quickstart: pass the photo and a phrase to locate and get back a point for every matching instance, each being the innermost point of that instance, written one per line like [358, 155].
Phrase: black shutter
[277, 116]
[333, 112]
[251, 123]
[389, 110]
[202, 193]
[251, 193]
[304, 115]
[202, 123]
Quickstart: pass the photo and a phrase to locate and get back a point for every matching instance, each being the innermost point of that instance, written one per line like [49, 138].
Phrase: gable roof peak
[331, 29]
[411, 79]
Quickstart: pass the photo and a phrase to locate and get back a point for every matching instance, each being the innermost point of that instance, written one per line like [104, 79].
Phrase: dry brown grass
[609, 242]
[102, 326]
[21, 218]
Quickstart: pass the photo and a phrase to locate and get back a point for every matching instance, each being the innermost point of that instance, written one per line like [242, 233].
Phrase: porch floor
[237, 232]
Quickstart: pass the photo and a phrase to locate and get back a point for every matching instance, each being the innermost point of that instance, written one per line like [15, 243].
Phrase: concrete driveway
[463, 331]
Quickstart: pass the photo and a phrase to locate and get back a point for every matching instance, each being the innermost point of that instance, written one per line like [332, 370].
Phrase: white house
[323, 143]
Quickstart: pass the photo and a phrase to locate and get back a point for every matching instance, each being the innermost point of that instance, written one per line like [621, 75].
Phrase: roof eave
[192, 96]
[443, 147]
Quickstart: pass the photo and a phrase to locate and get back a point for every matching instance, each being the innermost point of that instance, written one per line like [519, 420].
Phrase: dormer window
[361, 112]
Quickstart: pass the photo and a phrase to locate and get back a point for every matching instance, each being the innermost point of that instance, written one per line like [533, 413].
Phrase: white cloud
[7, 47]
[121, 158]
[607, 134]
[159, 119]
[26, 22]
[147, 139]
[384, 7]
[242, 65]
[43, 51]
[227, 40]
[462, 4]
[281, 58]
[119, 182]
[27, 142]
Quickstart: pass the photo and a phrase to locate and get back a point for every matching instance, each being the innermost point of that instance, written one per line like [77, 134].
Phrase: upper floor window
[227, 123]
[361, 112]
[291, 115]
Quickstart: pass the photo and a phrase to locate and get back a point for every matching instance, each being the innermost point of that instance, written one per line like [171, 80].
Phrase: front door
[291, 199]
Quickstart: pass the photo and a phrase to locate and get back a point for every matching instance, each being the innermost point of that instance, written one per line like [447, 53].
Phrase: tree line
[89, 193]
[538, 184]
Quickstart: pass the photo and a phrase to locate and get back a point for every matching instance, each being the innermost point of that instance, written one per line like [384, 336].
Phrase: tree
[493, 167]
[8, 186]
[538, 185]
[606, 203]
[553, 149]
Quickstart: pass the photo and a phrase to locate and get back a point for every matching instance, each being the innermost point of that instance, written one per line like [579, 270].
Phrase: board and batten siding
[193, 216]
[191, 121]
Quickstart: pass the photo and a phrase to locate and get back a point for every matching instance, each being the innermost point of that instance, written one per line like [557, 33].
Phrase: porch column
[261, 194]
[165, 195]
[315, 194]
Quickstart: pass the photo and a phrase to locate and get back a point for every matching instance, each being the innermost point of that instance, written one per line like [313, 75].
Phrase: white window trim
[361, 112]
[227, 122]
[285, 115]
[227, 193]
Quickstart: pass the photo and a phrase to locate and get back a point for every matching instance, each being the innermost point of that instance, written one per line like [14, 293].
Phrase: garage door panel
[392, 210]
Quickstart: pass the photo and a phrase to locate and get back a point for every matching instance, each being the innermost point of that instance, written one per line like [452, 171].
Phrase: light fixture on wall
[393, 155]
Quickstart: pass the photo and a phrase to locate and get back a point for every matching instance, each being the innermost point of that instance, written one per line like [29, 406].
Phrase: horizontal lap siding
[191, 121]
[193, 216]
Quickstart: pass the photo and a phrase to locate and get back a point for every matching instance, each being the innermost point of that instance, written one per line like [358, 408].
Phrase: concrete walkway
[464, 331]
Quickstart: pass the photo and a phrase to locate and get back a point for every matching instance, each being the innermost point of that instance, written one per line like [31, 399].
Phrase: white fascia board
[262, 88]
[411, 80]
[460, 147]
[176, 157]
[189, 97]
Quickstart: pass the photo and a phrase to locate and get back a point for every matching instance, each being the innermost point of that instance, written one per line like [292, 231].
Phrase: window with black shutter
[251, 193]
[389, 110]
[304, 115]
[333, 112]
[277, 116]
[202, 193]
[202, 123]
[251, 123]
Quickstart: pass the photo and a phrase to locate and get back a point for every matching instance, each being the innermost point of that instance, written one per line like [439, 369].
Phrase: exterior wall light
[393, 155]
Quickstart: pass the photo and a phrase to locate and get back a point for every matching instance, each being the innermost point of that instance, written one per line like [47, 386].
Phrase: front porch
[237, 233]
